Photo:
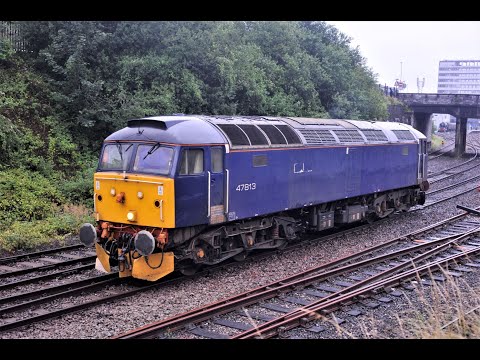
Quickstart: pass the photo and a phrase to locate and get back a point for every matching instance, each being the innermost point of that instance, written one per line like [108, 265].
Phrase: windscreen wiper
[152, 150]
[119, 148]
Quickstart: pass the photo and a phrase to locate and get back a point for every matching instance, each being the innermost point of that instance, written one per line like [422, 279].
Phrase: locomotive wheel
[371, 218]
[189, 270]
[240, 257]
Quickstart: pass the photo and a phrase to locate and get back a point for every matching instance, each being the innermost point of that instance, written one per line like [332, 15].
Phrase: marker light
[140, 195]
[132, 215]
[112, 191]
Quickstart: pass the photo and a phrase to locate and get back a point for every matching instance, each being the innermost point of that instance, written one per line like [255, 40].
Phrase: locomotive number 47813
[246, 187]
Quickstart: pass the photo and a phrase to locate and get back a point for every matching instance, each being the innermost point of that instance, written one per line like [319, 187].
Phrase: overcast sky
[412, 47]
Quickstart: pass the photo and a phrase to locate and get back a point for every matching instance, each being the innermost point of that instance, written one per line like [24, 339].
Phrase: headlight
[112, 191]
[132, 215]
[140, 195]
[144, 243]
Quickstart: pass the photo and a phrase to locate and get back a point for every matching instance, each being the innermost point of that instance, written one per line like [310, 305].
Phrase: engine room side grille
[313, 136]
[289, 134]
[404, 135]
[256, 137]
[273, 133]
[375, 135]
[235, 134]
[348, 136]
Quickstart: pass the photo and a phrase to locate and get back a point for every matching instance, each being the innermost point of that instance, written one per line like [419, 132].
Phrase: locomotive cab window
[116, 156]
[192, 162]
[153, 159]
[216, 155]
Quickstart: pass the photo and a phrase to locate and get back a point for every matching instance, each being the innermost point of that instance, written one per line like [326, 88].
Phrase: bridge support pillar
[460, 136]
[423, 123]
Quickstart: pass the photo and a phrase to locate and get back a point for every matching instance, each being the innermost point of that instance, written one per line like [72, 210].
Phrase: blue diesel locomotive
[179, 192]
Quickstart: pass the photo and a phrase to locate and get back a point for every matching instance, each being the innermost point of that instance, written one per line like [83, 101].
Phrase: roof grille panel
[273, 134]
[256, 137]
[289, 134]
[348, 136]
[404, 135]
[313, 136]
[235, 134]
[375, 135]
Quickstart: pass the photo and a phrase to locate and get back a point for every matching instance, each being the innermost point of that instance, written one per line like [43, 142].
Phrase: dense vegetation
[79, 81]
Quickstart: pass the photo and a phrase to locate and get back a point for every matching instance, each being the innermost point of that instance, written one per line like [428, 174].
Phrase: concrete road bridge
[462, 106]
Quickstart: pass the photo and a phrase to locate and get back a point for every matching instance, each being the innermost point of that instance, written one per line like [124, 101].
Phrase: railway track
[418, 267]
[48, 302]
[39, 253]
[442, 151]
[452, 189]
[33, 299]
[447, 172]
[41, 261]
[53, 261]
[40, 278]
[353, 279]
[29, 302]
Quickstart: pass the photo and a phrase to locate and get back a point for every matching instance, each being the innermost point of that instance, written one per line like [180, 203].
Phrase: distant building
[459, 77]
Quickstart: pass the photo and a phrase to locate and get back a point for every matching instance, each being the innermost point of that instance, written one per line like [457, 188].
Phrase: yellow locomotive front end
[134, 207]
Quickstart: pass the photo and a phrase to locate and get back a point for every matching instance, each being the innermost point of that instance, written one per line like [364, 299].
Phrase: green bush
[79, 189]
[6, 50]
[30, 234]
[26, 196]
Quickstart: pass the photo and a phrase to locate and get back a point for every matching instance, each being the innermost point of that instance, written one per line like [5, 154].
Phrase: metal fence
[388, 91]
[10, 31]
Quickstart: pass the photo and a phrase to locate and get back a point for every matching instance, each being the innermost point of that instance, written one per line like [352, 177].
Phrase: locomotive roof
[169, 129]
[263, 131]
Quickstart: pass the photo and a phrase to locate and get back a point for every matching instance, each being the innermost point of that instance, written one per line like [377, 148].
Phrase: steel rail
[453, 185]
[356, 290]
[4, 260]
[270, 290]
[47, 267]
[457, 166]
[56, 288]
[46, 277]
[45, 299]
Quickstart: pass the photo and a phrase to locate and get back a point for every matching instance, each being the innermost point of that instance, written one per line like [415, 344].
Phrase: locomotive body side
[296, 178]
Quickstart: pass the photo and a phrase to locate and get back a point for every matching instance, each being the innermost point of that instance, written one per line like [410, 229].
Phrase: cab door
[422, 160]
[216, 187]
[191, 187]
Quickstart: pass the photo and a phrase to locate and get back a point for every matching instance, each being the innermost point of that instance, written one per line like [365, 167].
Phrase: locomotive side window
[259, 160]
[216, 155]
[192, 162]
[153, 159]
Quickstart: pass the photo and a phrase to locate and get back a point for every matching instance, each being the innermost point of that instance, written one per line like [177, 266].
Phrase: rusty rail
[270, 290]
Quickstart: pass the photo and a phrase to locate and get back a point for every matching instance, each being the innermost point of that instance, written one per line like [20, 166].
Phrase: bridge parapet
[458, 105]
[440, 99]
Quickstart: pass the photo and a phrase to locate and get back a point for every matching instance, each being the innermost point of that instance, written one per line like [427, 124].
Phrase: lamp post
[420, 84]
